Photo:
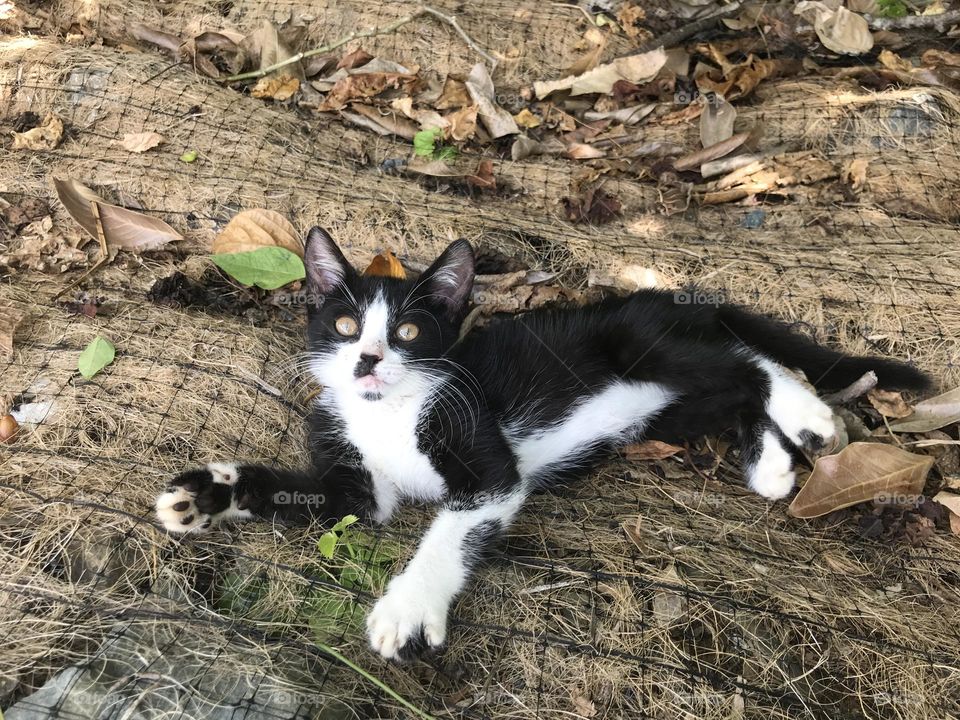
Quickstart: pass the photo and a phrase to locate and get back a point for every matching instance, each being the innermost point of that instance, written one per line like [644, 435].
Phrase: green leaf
[189, 156]
[892, 8]
[345, 522]
[95, 357]
[424, 140]
[447, 152]
[327, 544]
[266, 267]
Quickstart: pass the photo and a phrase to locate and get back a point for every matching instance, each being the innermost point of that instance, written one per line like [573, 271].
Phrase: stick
[675, 37]
[913, 22]
[373, 32]
[861, 387]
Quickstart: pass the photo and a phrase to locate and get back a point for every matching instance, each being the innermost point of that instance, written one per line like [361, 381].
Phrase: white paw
[772, 475]
[225, 473]
[799, 413]
[178, 512]
[407, 613]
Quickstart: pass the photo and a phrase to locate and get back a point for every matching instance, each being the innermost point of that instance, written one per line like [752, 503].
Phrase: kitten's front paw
[195, 498]
[407, 620]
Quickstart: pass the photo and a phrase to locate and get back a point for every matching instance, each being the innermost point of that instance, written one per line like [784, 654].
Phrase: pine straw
[791, 618]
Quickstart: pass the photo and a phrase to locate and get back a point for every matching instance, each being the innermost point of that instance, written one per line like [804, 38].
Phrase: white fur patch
[794, 408]
[616, 413]
[172, 518]
[772, 474]
[420, 596]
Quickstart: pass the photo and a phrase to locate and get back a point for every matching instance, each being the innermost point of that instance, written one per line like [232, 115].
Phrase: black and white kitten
[409, 413]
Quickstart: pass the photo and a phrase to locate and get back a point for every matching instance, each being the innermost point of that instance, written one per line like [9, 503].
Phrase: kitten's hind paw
[406, 621]
[196, 499]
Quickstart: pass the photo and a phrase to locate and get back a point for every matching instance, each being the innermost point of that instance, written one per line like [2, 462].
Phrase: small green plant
[425, 145]
[892, 8]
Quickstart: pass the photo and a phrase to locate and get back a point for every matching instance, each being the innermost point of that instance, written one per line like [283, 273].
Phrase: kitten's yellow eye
[346, 326]
[407, 332]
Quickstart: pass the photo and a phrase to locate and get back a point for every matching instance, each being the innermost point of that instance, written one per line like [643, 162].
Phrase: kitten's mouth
[371, 385]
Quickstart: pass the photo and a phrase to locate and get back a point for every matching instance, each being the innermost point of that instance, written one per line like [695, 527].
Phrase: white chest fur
[385, 434]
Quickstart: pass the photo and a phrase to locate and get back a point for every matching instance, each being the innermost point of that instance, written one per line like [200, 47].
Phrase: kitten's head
[379, 337]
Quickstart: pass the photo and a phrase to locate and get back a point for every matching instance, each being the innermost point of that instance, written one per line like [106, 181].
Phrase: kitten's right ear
[325, 265]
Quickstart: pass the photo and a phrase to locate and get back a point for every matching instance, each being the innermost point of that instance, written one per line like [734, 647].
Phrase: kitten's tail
[826, 369]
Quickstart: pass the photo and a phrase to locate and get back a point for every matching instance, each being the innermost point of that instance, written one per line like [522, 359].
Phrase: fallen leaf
[463, 123]
[628, 115]
[633, 68]
[855, 173]
[650, 450]
[526, 119]
[252, 229]
[524, 147]
[95, 357]
[385, 264]
[426, 118]
[594, 206]
[931, 414]
[8, 428]
[716, 120]
[362, 85]
[939, 58]
[78, 200]
[46, 136]
[10, 319]
[583, 707]
[627, 279]
[130, 230]
[668, 605]
[587, 61]
[949, 501]
[189, 156]
[355, 59]
[497, 121]
[583, 151]
[381, 120]
[141, 142]
[718, 150]
[839, 30]
[628, 16]
[266, 267]
[453, 95]
[483, 176]
[860, 472]
[280, 87]
[892, 61]
[889, 403]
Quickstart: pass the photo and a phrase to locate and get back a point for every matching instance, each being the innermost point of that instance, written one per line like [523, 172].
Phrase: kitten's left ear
[450, 278]
[325, 265]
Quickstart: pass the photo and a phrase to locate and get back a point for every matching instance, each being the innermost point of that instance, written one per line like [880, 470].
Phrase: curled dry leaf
[524, 147]
[355, 59]
[276, 87]
[839, 30]
[483, 176]
[454, 95]
[497, 121]
[855, 173]
[650, 450]
[932, 414]
[46, 136]
[253, 229]
[381, 121]
[595, 206]
[362, 85]
[122, 229]
[583, 151]
[141, 142]
[633, 68]
[463, 123]
[717, 150]
[860, 472]
[385, 264]
[526, 119]
[952, 503]
[889, 403]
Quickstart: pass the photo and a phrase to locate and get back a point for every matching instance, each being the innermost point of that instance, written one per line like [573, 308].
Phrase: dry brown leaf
[583, 151]
[524, 147]
[583, 707]
[381, 121]
[78, 199]
[719, 150]
[355, 59]
[650, 450]
[453, 95]
[362, 85]
[839, 30]
[855, 173]
[463, 123]
[716, 120]
[860, 472]
[46, 136]
[278, 87]
[252, 229]
[595, 206]
[427, 119]
[628, 16]
[889, 403]
[526, 119]
[141, 142]
[949, 501]
[634, 68]
[385, 264]
[955, 523]
[497, 121]
[10, 319]
[939, 58]
[893, 61]
[931, 414]
[130, 230]
[587, 61]
[483, 176]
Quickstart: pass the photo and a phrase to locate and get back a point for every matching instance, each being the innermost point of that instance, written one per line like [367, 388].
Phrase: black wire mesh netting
[657, 589]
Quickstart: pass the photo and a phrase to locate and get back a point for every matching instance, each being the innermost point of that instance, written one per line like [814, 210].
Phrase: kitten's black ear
[450, 279]
[325, 265]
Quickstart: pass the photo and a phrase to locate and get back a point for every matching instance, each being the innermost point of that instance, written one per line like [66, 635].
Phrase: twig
[861, 387]
[675, 37]
[914, 22]
[104, 253]
[373, 32]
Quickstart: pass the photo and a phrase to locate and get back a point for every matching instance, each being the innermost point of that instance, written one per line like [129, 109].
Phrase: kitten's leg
[198, 499]
[767, 463]
[412, 614]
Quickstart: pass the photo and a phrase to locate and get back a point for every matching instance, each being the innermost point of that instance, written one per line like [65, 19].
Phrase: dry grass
[714, 605]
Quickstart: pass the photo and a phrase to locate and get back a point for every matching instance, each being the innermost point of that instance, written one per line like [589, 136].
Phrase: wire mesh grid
[650, 591]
